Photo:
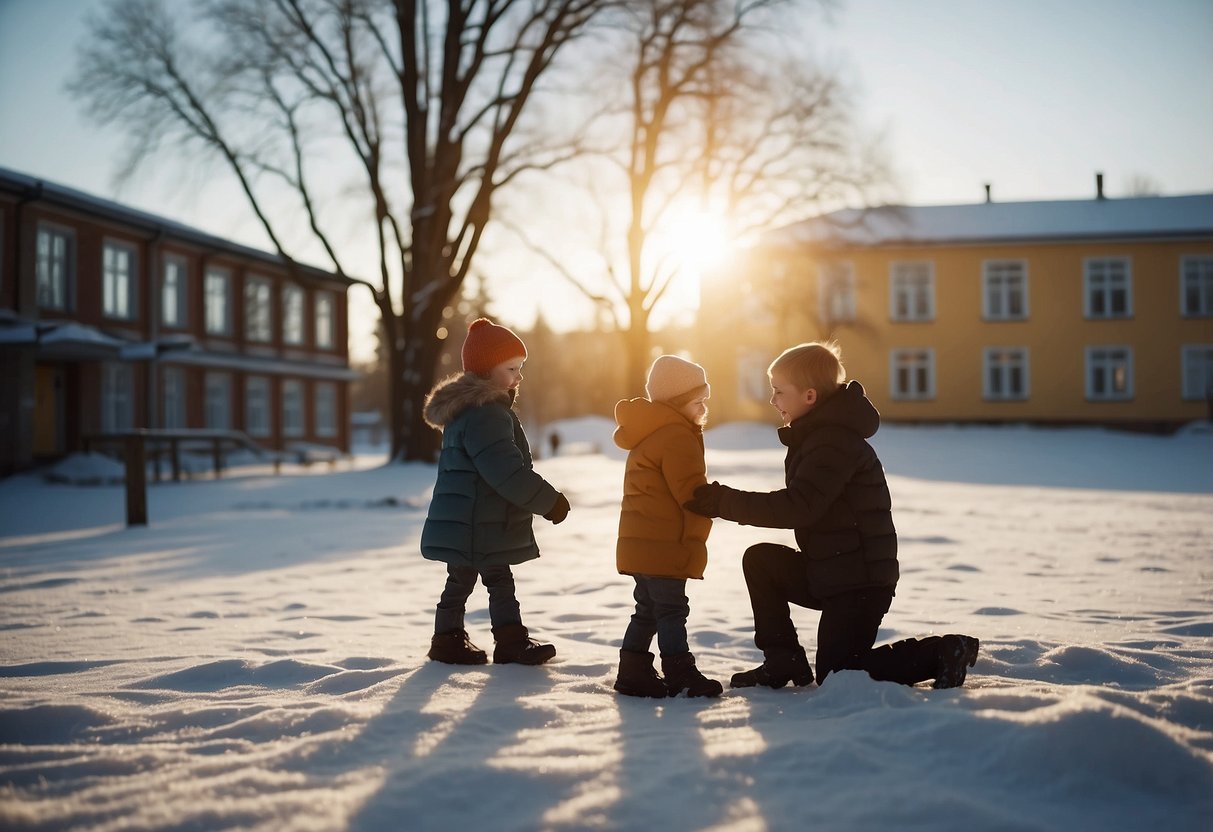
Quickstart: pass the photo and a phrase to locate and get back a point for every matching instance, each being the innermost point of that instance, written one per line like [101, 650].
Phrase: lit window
[324, 320]
[292, 314]
[218, 307]
[258, 312]
[1109, 374]
[173, 292]
[55, 268]
[117, 281]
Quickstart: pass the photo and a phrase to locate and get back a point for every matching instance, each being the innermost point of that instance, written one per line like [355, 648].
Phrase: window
[55, 268]
[1109, 374]
[118, 281]
[752, 376]
[1108, 288]
[326, 409]
[218, 307]
[1198, 372]
[173, 292]
[1004, 290]
[292, 314]
[1196, 293]
[218, 401]
[836, 292]
[1005, 374]
[913, 374]
[324, 320]
[292, 408]
[174, 397]
[257, 406]
[258, 312]
[117, 397]
[912, 291]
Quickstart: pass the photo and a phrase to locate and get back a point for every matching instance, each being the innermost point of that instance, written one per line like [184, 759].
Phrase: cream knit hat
[676, 381]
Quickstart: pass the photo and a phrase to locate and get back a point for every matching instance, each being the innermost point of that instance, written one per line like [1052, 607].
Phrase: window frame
[837, 291]
[1089, 367]
[326, 336]
[292, 406]
[1186, 357]
[116, 246]
[174, 392]
[987, 267]
[210, 404]
[225, 276]
[181, 308]
[289, 291]
[68, 289]
[117, 396]
[1089, 291]
[987, 365]
[326, 428]
[913, 291]
[258, 309]
[263, 427]
[895, 364]
[1204, 289]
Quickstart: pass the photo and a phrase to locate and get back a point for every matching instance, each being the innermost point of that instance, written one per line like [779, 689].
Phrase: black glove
[707, 499]
[559, 511]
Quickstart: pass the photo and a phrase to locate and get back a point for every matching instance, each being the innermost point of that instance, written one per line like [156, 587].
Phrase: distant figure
[661, 544]
[554, 441]
[837, 501]
[479, 520]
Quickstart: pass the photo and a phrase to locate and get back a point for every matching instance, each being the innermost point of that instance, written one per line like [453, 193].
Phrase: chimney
[1099, 186]
[988, 199]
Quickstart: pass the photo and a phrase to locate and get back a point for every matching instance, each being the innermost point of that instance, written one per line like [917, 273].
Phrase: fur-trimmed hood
[456, 393]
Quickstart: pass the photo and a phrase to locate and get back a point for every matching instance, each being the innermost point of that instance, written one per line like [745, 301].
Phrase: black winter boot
[956, 655]
[637, 677]
[780, 665]
[456, 648]
[682, 674]
[515, 646]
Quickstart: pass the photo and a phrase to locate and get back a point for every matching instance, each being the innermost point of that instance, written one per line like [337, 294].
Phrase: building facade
[1087, 311]
[113, 319]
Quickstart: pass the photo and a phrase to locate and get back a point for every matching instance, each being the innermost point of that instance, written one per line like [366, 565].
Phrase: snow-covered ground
[254, 658]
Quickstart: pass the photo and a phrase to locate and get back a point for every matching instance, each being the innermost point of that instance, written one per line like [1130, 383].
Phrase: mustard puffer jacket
[657, 537]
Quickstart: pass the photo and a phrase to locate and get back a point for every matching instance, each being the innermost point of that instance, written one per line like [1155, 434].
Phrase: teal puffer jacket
[487, 489]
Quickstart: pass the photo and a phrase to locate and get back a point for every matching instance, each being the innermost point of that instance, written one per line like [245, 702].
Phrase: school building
[113, 319]
[1096, 311]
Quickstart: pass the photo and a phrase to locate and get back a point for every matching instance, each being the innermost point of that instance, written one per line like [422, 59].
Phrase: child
[479, 521]
[661, 545]
[838, 502]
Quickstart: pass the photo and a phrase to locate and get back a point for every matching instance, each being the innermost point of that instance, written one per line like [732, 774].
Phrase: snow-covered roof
[1156, 217]
[61, 195]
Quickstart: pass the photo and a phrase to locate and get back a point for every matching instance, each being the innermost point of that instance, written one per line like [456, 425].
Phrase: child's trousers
[460, 581]
[662, 610]
[775, 576]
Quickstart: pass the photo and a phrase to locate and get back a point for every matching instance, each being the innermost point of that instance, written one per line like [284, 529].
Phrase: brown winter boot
[682, 674]
[637, 677]
[515, 646]
[456, 648]
[780, 666]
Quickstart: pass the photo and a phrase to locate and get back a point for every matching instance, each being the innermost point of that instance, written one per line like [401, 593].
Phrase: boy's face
[508, 374]
[790, 401]
[696, 412]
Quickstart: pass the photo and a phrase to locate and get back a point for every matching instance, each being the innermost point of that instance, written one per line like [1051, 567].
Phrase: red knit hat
[487, 345]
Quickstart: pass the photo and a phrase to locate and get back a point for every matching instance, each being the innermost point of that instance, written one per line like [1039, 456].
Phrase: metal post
[136, 481]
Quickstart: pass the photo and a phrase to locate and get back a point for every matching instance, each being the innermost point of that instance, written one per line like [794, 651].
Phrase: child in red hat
[479, 520]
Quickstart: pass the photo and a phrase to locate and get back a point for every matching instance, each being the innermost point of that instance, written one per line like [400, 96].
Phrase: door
[48, 410]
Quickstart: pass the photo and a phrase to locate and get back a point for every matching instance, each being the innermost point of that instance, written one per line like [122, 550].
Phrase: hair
[816, 365]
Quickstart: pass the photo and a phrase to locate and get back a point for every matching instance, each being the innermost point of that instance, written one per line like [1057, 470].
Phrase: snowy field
[254, 658]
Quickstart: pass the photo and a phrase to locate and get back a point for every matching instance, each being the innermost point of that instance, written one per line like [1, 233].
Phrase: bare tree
[423, 101]
[721, 111]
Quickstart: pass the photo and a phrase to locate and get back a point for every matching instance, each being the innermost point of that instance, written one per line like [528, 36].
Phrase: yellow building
[1083, 311]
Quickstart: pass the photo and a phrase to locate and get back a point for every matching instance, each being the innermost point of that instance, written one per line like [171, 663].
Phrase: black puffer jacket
[836, 498]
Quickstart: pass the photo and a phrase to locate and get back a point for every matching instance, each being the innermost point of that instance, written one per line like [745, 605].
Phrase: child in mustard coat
[661, 544]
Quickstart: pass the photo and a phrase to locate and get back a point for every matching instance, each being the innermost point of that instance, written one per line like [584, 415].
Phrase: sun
[690, 245]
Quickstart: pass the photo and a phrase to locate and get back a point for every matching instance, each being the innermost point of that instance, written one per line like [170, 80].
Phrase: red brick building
[112, 319]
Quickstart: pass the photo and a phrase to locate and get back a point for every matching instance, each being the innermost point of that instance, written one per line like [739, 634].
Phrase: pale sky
[1032, 96]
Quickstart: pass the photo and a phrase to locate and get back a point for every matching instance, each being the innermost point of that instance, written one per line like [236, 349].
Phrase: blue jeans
[460, 581]
[661, 609]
